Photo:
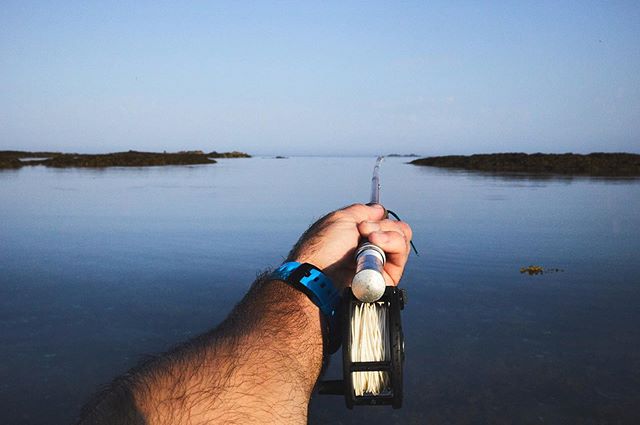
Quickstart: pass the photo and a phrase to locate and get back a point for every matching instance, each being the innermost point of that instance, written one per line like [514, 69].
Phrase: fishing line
[370, 336]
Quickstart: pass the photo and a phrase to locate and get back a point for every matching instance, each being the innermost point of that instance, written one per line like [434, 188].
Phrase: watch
[318, 287]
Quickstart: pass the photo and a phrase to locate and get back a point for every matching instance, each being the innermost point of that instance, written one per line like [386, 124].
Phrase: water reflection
[533, 177]
[98, 267]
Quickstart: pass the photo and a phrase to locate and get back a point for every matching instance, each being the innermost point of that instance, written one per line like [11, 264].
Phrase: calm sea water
[100, 267]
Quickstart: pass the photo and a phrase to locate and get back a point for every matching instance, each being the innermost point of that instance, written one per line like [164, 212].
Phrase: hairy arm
[260, 365]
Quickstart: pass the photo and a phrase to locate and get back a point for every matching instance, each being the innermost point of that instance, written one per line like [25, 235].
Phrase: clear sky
[310, 77]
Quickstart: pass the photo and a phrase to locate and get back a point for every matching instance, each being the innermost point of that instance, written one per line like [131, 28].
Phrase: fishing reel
[372, 338]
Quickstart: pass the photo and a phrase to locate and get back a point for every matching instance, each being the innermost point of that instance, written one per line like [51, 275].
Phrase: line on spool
[370, 343]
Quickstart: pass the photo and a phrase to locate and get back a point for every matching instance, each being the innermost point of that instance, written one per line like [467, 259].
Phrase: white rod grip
[368, 284]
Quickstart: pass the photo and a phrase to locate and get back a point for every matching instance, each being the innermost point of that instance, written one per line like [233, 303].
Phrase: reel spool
[372, 370]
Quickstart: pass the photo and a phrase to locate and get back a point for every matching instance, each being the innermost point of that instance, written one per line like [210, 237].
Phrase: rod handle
[368, 284]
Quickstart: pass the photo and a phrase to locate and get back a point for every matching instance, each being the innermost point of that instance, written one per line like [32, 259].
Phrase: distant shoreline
[595, 164]
[19, 159]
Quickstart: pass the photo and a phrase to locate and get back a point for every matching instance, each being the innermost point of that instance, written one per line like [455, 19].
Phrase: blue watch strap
[314, 283]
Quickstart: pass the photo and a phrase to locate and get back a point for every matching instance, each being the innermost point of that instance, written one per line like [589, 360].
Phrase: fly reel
[372, 351]
[372, 370]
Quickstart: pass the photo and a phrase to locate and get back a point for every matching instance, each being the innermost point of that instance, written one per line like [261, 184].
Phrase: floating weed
[536, 270]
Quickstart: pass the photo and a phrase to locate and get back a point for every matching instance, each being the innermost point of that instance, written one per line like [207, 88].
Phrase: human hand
[330, 243]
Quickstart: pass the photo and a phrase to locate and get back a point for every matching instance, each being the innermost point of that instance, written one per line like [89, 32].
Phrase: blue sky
[345, 78]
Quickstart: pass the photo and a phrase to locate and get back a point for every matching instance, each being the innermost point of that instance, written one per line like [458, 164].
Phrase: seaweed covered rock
[15, 159]
[128, 159]
[532, 270]
[10, 163]
[232, 154]
[593, 164]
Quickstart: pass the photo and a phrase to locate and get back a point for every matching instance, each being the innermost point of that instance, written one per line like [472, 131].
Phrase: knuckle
[406, 229]
[356, 211]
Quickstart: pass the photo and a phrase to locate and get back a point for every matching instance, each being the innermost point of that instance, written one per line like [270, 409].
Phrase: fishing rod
[372, 337]
[368, 283]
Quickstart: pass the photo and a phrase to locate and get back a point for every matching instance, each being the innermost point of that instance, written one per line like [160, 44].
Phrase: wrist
[318, 288]
[339, 273]
[294, 299]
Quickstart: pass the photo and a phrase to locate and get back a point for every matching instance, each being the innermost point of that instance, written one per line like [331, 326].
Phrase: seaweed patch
[536, 270]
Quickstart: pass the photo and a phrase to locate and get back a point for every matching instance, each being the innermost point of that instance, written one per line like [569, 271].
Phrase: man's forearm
[260, 365]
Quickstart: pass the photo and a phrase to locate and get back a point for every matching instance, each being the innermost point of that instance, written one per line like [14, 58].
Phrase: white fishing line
[370, 343]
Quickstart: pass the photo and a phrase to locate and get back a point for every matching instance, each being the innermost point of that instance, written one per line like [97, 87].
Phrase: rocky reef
[232, 154]
[127, 159]
[10, 163]
[17, 159]
[593, 164]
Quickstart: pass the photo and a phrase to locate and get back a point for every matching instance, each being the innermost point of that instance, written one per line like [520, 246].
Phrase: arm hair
[259, 365]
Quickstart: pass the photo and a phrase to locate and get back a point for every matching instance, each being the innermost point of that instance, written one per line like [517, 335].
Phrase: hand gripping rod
[368, 284]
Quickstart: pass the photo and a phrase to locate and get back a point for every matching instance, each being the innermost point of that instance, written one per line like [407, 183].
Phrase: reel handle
[368, 284]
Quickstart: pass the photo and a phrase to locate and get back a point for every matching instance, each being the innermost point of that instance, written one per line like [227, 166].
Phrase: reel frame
[394, 298]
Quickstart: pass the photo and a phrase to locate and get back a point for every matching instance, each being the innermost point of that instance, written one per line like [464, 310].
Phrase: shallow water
[100, 267]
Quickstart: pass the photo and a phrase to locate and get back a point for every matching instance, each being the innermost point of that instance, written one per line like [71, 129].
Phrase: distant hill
[593, 164]
[400, 155]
